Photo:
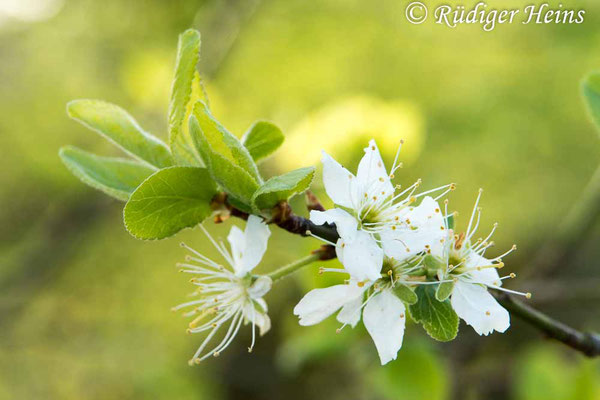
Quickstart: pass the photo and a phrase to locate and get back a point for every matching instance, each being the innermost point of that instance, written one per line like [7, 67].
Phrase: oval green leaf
[282, 187]
[168, 201]
[116, 125]
[185, 91]
[262, 139]
[117, 177]
[437, 317]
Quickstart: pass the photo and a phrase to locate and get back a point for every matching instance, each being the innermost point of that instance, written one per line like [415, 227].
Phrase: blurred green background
[84, 308]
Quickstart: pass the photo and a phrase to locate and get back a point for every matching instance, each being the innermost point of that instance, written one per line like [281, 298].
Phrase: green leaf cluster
[171, 187]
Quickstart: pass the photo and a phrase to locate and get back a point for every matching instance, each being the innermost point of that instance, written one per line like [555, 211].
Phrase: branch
[585, 342]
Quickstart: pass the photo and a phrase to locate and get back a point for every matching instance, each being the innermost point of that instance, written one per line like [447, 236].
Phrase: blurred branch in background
[564, 243]
[585, 342]
[222, 22]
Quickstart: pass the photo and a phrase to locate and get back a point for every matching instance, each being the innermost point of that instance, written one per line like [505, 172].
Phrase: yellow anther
[452, 186]
[381, 179]
[528, 295]
[488, 313]
[216, 354]
[513, 275]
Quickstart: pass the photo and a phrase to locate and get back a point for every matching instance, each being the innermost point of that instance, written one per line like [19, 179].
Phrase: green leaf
[115, 124]
[438, 318]
[168, 201]
[405, 293]
[262, 139]
[117, 177]
[221, 141]
[282, 187]
[186, 90]
[220, 161]
[444, 290]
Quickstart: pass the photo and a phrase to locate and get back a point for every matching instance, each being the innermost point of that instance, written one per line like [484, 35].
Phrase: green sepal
[405, 293]
[444, 290]
[450, 221]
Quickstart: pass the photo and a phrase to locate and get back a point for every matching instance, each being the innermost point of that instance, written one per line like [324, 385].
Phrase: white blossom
[228, 296]
[462, 261]
[383, 313]
[371, 218]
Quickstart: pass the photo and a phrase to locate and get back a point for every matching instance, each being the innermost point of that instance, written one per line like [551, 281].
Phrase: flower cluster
[389, 245]
[392, 241]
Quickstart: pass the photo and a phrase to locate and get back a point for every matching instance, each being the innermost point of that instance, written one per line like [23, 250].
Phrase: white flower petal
[253, 315]
[427, 228]
[479, 309]
[339, 182]
[256, 237]
[350, 313]
[264, 325]
[384, 317]
[345, 223]
[260, 287]
[237, 242]
[362, 257]
[371, 174]
[487, 276]
[319, 304]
